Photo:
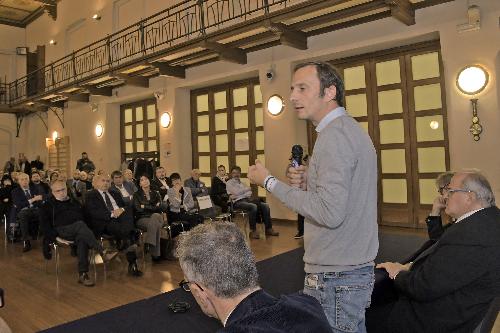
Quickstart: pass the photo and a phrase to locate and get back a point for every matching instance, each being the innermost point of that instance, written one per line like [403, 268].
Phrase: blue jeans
[344, 296]
[256, 210]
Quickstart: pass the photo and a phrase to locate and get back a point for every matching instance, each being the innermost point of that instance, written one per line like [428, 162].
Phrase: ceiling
[19, 13]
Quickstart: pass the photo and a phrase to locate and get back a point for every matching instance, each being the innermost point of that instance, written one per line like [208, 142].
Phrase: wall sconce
[96, 17]
[99, 130]
[434, 125]
[55, 135]
[52, 42]
[165, 120]
[275, 105]
[471, 80]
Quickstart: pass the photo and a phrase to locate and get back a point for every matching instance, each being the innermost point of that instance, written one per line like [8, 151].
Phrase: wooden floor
[33, 300]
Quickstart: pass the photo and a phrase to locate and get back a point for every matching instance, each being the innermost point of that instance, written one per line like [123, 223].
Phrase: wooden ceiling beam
[78, 97]
[226, 53]
[104, 91]
[136, 81]
[402, 10]
[168, 70]
[293, 38]
[48, 103]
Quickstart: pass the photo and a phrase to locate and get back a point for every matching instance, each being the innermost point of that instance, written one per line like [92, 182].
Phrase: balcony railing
[171, 27]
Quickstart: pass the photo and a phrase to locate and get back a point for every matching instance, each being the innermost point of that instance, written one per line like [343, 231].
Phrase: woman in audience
[83, 186]
[148, 210]
[181, 204]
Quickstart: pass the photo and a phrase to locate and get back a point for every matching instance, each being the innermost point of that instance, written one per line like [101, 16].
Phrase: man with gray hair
[220, 271]
[449, 286]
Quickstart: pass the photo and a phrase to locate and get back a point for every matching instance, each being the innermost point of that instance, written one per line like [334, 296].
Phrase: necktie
[28, 195]
[108, 202]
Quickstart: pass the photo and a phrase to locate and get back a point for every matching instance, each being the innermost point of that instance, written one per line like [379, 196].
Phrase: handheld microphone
[297, 153]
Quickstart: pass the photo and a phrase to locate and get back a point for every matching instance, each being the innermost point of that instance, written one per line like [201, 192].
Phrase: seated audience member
[181, 203]
[218, 191]
[148, 214]
[53, 177]
[37, 164]
[128, 177]
[24, 165]
[36, 181]
[13, 176]
[222, 276]
[125, 189]
[10, 166]
[26, 199]
[109, 215]
[161, 182]
[5, 196]
[73, 181]
[90, 176]
[449, 286]
[83, 186]
[197, 187]
[241, 196]
[85, 164]
[62, 216]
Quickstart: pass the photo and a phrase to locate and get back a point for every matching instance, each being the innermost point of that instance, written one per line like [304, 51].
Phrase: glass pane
[140, 146]
[393, 161]
[240, 97]
[202, 103]
[203, 123]
[128, 115]
[221, 122]
[152, 130]
[204, 164]
[356, 105]
[206, 180]
[151, 111]
[138, 113]
[152, 145]
[427, 191]
[388, 72]
[394, 191]
[203, 144]
[392, 131]
[241, 119]
[364, 125]
[431, 159]
[242, 162]
[245, 180]
[139, 131]
[430, 128]
[259, 117]
[129, 148]
[259, 140]
[220, 100]
[241, 141]
[223, 160]
[427, 97]
[354, 77]
[425, 66]
[262, 159]
[221, 143]
[261, 192]
[257, 94]
[390, 101]
[128, 132]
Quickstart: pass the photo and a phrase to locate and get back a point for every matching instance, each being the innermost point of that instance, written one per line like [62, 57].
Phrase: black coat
[19, 199]
[37, 164]
[450, 286]
[96, 211]
[157, 186]
[150, 206]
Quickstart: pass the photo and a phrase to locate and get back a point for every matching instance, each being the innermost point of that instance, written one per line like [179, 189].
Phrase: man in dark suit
[24, 165]
[449, 286]
[161, 182]
[108, 214]
[25, 200]
[37, 164]
[125, 189]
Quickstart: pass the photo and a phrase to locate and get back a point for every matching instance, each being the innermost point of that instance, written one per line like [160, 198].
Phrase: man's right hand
[37, 198]
[297, 177]
[117, 212]
[438, 205]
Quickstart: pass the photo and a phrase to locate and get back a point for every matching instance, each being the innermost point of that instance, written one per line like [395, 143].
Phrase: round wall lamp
[99, 130]
[275, 105]
[55, 135]
[165, 120]
[434, 124]
[471, 80]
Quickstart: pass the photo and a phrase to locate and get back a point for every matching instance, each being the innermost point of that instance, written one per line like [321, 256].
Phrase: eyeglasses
[185, 285]
[450, 191]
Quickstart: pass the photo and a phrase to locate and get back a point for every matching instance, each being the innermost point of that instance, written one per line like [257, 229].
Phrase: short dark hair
[175, 176]
[236, 168]
[116, 173]
[328, 77]
[84, 153]
[222, 166]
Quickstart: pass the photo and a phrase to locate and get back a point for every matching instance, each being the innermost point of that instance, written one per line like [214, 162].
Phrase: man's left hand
[393, 268]
[257, 173]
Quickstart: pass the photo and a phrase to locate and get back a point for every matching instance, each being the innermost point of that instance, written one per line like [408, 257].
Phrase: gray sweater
[340, 204]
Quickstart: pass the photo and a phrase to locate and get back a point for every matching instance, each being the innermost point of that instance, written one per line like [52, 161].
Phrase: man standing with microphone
[337, 194]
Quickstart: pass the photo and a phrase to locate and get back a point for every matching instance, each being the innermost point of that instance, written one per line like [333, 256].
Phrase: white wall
[437, 21]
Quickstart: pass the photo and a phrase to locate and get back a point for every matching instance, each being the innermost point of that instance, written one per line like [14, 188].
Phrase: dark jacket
[450, 286]
[96, 211]
[37, 164]
[130, 187]
[55, 213]
[150, 206]
[85, 165]
[261, 312]
[20, 201]
[157, 185]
